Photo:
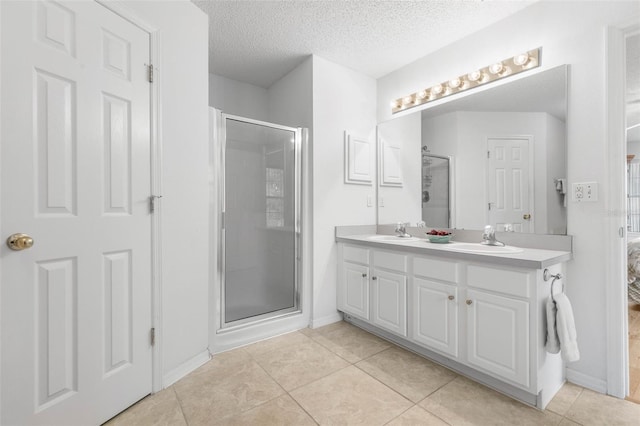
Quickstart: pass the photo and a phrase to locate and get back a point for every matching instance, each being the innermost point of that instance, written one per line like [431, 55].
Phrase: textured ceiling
[258, 42]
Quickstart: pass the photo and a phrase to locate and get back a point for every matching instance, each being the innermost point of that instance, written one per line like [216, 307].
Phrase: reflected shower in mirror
[502, 152]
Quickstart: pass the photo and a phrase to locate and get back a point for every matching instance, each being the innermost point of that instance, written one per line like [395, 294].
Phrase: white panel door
[508, 184]
[75, 176]
[498, 335]
[355, 289]
[435, 315]
[389, 301]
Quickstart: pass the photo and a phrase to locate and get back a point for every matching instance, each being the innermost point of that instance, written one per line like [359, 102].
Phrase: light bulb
[395, 104]
[422, 94]
[455, 83]
[407, 100]
[474, 76]
[521, 59]
[496, 68]
[437, 89]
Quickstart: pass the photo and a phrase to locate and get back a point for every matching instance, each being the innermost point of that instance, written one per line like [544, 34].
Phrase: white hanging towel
[566, 329]
[553, 342]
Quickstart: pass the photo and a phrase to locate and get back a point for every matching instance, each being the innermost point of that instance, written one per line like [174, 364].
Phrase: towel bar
[548, 275]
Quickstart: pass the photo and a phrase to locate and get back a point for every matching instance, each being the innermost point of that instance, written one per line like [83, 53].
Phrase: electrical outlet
[585, 192]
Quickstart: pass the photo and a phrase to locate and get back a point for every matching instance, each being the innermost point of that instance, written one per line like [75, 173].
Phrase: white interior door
[508, 184]
[75, 176]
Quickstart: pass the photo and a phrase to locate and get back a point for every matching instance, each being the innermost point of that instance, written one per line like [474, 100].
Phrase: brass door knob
[19, 242]
[469, 301]
[451, 297]
[364, 275]
[526, 216]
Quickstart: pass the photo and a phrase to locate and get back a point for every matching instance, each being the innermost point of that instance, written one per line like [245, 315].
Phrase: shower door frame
[450, 189]
[221, 177]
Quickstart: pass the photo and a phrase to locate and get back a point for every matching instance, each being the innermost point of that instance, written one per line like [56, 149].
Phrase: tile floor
[634, 352]
[340, 374]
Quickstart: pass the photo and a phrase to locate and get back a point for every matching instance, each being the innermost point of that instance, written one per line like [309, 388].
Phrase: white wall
[237, 98]
[342, 100]
[183, 63]
[569, 33]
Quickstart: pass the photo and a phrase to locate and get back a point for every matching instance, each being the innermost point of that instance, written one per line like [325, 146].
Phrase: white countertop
[528, 258]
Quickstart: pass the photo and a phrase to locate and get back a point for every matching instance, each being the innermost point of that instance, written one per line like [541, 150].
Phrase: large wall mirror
[495, 157]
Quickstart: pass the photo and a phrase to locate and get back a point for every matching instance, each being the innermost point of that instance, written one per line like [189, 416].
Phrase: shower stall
[257, 174]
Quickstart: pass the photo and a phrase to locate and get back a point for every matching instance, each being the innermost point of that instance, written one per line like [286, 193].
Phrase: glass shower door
[261, 210]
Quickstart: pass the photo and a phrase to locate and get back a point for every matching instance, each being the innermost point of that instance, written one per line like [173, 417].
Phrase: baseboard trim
[586, 381]
[185, 368]
[330, 319]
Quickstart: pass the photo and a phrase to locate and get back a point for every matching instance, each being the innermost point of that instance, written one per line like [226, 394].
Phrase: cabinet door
[355, 290]
[498, 335]
[435, 316]
[389, 301]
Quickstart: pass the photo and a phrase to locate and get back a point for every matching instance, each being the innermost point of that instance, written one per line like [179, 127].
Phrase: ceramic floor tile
[565, 397]
[464, 402]
[308, 331]
[592, 408]
[224, 361]
[416, 416]
[277, 342]
[349, 342]
[297, 365]
[281, 411]
[211, 393]
[567, 422]
[158, 409]
[407, 373]
[351, 397]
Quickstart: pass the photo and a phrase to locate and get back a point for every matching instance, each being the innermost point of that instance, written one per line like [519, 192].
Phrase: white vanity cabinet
[389, 288]
[479, 315]
[435, 304]
[353, 293]
[498, 303]
[373, 286]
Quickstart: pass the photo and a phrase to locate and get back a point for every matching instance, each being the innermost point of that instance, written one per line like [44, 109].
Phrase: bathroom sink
[392, 238]
[484, 249]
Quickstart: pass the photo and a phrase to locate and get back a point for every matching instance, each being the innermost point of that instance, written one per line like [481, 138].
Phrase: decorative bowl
[439, 239]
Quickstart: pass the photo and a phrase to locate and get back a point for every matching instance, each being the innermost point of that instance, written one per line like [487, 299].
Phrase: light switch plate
[585, 192]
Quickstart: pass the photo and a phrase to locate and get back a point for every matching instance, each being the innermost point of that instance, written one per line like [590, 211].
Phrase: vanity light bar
[496, 71]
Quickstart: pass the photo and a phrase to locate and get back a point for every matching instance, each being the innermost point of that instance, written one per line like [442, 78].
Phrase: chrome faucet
[401, 230]
[489, 237]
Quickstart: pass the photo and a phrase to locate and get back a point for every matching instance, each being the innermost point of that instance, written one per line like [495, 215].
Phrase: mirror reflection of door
[508, 191]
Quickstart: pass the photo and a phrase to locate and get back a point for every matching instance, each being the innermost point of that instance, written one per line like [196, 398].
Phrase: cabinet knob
[451, 297]
[469, 301]
[364, 275]
[374, 278]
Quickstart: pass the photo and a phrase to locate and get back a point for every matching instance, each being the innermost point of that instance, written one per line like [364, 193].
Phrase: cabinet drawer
[514, 283]
[438, 269]
[356, 254]
[392, 261]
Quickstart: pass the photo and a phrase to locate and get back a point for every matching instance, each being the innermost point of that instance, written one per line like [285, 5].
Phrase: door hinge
[152, 336]
[150, 68]
[152, 202]
[489, 206]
